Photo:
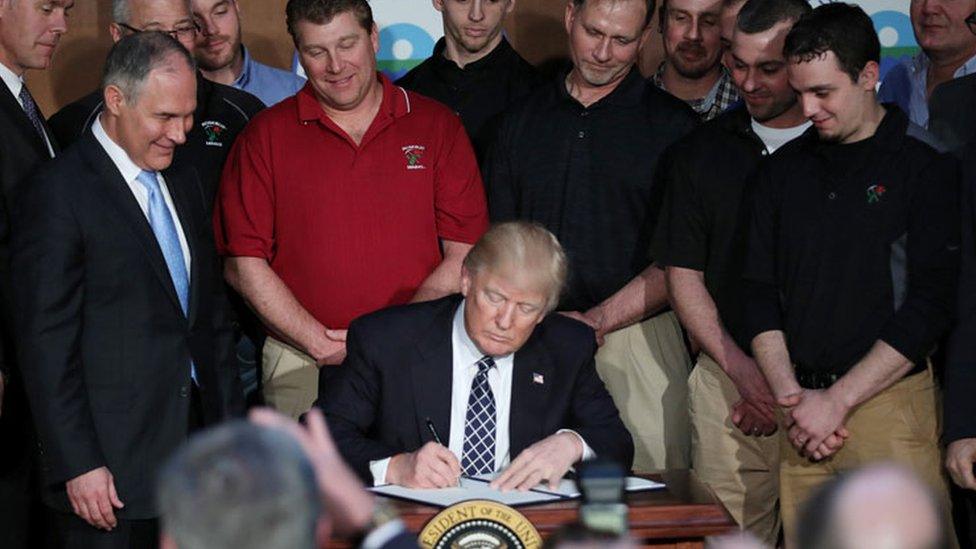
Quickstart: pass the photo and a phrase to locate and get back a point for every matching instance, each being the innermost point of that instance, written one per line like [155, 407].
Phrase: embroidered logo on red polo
[875, 192]
[415, 156]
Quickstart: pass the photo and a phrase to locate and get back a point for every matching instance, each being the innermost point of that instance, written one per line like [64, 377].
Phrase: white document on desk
[567, 487]
[469, 489]
[477, 488]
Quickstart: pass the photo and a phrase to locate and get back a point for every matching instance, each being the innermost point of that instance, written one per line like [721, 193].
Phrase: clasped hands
[435, 466]
[814, 420]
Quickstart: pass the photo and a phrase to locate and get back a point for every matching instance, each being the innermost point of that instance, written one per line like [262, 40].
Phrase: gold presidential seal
[479, 524]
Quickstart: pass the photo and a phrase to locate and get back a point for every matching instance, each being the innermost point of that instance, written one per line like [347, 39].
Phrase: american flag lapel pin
[538, 378]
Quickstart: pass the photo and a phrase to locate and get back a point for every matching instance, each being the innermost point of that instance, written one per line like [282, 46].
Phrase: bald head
[883, 506]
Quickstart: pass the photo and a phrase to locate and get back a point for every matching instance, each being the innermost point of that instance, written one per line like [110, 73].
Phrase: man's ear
[116, 31]
[570, 15]
[166, 542]
[870, 74]
[323, 531]
[114, 99]
[374, 38]
[465, 281]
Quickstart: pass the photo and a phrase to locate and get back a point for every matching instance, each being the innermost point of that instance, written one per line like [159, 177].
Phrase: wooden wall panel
[536, 29]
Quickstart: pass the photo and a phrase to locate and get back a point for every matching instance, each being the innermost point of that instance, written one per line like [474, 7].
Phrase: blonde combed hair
[526, 247]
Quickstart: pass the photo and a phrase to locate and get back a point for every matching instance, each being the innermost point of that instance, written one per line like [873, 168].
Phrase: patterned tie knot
[486, 363]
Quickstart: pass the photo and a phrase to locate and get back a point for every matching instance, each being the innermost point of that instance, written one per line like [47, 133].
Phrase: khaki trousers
[290, 378]
[900, 424]
[645, 368]
[742, 471]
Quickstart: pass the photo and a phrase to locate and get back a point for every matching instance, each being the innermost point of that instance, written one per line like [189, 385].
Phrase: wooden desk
[678, 516]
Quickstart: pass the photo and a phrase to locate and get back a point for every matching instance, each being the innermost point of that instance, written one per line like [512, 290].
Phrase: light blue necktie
[478, 452]
[163, 226]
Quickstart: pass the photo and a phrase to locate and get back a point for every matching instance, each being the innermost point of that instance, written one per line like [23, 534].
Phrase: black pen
[437, 439]
[433, 432]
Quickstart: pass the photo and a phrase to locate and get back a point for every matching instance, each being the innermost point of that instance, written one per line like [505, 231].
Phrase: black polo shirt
[854, 243]
[479, 92]
[588, 175]
[221, 114]
[703, 222]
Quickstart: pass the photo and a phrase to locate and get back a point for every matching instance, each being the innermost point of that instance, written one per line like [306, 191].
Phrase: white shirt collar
[119, 157]
[14, 83]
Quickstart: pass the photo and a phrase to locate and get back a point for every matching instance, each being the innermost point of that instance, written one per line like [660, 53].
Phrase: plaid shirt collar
[722, 95]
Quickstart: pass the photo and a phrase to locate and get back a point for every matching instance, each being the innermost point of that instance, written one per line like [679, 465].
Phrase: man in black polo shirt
[851, 268]
[579, 156]
[701, 241]
[222, 111]
[474, 69]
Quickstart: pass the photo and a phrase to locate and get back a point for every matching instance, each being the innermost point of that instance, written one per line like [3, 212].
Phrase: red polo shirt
[350, 229]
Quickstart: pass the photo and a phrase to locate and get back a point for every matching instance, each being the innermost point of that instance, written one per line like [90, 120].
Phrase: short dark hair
[649, 4]
[321, 12]
[761, 15]
[838, 27]
[132, 58]
[240, 485]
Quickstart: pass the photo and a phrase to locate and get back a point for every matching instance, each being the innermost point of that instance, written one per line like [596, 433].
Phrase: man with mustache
[474, 70]
[223, 58]
[851, 268]
[948, 52]
[29, 34]
[701, 239]
[692, 69]
[580, 156]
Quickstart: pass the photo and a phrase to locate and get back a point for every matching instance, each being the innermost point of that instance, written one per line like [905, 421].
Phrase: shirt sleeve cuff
[384, 534]
[588, 452]
[377, 468]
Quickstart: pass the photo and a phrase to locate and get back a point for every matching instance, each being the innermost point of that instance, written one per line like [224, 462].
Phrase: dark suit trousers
[74, 533]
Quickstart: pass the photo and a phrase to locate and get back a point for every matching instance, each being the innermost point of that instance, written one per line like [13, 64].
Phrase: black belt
[810, 378]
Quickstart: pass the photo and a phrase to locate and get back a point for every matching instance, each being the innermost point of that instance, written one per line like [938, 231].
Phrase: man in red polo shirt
[351, 196]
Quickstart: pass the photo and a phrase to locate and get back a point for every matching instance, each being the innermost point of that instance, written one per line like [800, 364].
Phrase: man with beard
[474, 69]
[223, 58]
[851, 268]
[701, 239]
[692, 69]
[948, 52]
[580, 156]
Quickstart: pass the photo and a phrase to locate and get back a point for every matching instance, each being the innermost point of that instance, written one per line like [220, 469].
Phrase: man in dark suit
[28, 37]
[495, 375]
[122, 330]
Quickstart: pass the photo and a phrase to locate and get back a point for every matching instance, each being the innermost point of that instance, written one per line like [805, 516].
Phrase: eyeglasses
[971, 22]
[178, 33]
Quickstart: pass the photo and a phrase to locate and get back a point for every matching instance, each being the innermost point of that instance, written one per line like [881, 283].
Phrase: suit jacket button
[184, 391]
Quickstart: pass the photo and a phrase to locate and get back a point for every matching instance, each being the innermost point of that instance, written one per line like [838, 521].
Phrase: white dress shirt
[466, 356]
[130, 172]
[15, 84]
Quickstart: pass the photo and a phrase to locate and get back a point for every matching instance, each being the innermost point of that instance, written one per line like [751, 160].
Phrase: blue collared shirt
[905, 85]
[267, 83]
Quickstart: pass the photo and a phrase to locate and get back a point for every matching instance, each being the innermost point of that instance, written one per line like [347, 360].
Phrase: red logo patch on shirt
[414, 155]
[875, 192]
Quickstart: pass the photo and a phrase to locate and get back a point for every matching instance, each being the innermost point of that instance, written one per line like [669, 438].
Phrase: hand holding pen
[432, 466]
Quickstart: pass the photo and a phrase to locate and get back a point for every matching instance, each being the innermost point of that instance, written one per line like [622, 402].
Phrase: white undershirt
[130, 172]
[466, 356]
[15, 84]
[774, 138]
